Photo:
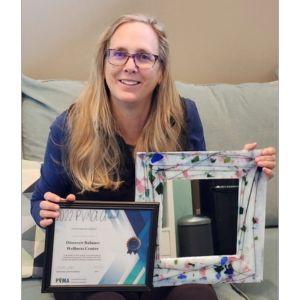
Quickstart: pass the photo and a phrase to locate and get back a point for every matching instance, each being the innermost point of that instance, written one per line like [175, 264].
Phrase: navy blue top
[55, 179]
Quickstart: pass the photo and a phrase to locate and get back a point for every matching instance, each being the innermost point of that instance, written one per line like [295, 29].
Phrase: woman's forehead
[135, 37]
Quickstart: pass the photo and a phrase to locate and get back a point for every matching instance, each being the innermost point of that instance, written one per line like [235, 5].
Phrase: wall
[230, 41]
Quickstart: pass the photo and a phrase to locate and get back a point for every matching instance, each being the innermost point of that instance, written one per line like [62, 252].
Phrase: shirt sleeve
[53, 175]
[196, 133]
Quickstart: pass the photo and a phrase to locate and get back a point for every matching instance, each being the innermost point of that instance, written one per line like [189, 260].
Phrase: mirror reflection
[200, 217]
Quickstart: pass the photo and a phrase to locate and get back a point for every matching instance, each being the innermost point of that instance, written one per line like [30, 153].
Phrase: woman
[130, 104]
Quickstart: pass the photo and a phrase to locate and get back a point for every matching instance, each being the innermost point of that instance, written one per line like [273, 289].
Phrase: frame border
[152, 169]
[82, 204]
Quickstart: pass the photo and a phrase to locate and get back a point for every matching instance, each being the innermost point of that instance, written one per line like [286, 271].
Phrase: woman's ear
[160, 78]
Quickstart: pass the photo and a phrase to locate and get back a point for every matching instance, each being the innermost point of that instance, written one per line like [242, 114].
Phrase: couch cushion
[42, 102]
[268, 288]
[233, 115]
[31, 290]
[33, 237]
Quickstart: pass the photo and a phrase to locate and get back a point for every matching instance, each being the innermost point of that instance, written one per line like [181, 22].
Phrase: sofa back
[232, 115]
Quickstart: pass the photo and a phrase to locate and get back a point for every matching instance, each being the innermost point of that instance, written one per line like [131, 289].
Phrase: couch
[232, 115]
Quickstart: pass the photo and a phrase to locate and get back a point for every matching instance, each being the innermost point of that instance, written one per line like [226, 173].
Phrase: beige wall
[230, 41]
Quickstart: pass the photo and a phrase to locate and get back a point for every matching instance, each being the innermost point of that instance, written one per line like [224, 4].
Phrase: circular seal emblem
[133, 245]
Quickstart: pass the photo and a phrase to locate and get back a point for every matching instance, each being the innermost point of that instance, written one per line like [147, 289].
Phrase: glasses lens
[117, 57]
[144, 60]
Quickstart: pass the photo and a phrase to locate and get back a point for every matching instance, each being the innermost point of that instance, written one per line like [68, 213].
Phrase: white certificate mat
[102, 247]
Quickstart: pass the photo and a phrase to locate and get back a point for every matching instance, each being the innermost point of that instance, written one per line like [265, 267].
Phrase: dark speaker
[195, 236]
[219, 202]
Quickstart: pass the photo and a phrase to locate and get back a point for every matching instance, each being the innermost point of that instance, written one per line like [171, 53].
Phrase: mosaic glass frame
[152, 169]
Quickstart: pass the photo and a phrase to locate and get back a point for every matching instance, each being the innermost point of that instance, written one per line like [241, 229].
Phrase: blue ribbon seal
[133, 245]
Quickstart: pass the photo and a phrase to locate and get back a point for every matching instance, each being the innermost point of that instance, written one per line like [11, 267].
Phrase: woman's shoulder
[59, 127]
[61, 120]
[196, 133]
[191, 107]
[188, 102]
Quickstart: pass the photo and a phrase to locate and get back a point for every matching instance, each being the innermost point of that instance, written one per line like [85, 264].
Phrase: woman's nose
[130, 65]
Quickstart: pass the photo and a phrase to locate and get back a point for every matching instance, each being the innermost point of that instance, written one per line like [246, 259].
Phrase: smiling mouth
[129, 82]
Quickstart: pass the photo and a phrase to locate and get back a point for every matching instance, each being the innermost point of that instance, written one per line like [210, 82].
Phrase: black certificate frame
[153, 207]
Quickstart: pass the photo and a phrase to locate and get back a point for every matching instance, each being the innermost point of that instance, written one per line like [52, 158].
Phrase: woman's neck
[131, 121]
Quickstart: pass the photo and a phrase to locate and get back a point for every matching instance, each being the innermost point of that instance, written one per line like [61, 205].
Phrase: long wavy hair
[94, 158]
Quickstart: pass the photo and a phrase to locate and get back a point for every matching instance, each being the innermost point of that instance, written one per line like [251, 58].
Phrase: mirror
[153, 170]
[206, 209]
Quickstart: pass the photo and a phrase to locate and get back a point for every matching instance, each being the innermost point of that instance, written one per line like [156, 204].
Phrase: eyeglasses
[141, 60]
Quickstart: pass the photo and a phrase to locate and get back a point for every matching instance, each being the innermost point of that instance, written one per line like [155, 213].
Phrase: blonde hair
[93, 152]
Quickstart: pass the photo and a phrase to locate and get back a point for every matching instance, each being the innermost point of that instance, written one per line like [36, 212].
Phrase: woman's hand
[49, 208]
[266, 161]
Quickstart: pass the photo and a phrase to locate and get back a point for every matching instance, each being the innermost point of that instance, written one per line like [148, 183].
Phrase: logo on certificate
[133, 245]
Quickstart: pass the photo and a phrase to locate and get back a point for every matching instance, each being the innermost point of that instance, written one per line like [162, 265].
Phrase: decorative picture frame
[101, 246]
[153, 169]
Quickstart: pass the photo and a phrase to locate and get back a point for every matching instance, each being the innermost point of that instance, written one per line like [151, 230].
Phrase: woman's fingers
[50, 207]
[250, 146]
[267, 160]
[269, 151]
[46, 222]
[71, 197]
[51, 197]
[269, 173]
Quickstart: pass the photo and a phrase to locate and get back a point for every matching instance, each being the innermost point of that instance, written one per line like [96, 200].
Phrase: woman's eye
[144, 56]
[119, 54]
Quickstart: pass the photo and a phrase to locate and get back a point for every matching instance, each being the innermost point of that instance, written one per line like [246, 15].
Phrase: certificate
[95, 246]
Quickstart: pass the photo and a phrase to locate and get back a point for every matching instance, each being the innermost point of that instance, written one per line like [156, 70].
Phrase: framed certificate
[98, 246]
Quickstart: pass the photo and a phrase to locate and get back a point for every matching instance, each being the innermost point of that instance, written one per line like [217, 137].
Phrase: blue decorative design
[156, 157]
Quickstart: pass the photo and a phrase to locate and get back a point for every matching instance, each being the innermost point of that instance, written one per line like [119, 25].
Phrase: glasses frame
[107, 51]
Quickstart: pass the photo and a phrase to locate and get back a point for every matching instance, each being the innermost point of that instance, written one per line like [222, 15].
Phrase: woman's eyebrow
[139, 50]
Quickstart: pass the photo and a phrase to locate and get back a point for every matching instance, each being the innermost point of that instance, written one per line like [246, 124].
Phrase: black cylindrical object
[195, 236]
[219, 201]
